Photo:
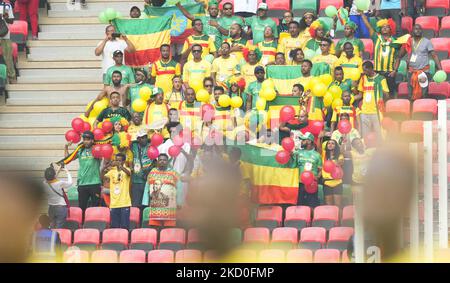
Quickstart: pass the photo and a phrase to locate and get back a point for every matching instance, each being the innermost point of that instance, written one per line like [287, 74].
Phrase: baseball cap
[156, 90]
[141, 133]
[423, 79]
[88, 134]
[307, 136]
[262, 6]
[117, 52]
[259, 69]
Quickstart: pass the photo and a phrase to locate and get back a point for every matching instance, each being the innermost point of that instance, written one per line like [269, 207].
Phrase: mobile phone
[116, 34]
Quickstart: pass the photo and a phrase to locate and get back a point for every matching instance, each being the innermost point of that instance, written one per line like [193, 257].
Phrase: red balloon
[78, 124]
[344, 127]
[337, 173]
[316, 127]
[177, 140]
[86, 126]
[282, 157]
[207, 112]
[98, 134]
[329, 166]
[72, 136]
[107, 126]
[107, 151]
[97, 151]
[157, 139]
[196, 142]
[287, 113]
[174, 150]
[288, 144]
[307, 178]
[311, 189]
[152, 152]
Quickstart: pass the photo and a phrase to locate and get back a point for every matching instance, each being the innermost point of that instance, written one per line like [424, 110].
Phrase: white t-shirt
[9, 9]
[107, 55]
[249, 6]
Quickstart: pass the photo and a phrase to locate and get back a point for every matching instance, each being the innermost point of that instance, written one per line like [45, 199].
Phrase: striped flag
[275, 106]
[147, 35]
[284, 77]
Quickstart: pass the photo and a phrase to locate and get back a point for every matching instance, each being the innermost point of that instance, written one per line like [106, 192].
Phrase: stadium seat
[277, 7]
[312, 238]
[445, 27]
[75, 256]
[445, 64]
[348, 216]
[132, 256]
[299, 256]
[143, 239]
[115, 239]
[74, 219]
[439, 90]
[339, 237]
[172, 239]
[325, 3]
[19, 31]
[326, 216]
[398, 109]
[97, 218]
[300, 7]
[412, 130]
[407, 24]
[390, 125]
[210, 256]
[297, 217]
[276, 20]
[429, 24]
[269, 217]
[260, 236]
[344, 257]
[193, 240]
[135, 220]
[104, 256]
[327, 256]
[402, 90]
[86, 239]
[65, 235]
[424, 109]
[272, 256]
[284, 237]
[160, 256]
[145, 218]
[441, 47]
[368, 50]
[436, 7]
[188, 256]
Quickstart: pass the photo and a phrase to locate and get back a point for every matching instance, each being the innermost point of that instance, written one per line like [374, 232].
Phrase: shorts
[329, 191]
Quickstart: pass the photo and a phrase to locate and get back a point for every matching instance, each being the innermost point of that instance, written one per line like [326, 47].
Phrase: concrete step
[45, 20]
[72, 28]
[63, 54]
[59, 65]
[123, 8]
[56, 43]
[46, 87]
[62, 35]
[41, 109]
[51, 97]
[38, 142]
[34, 131]
[38, 163]
[60, 76]
[32, 153]
[33, 120]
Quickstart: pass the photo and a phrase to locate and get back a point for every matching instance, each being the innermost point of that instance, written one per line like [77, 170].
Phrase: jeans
[361, 31]
[395, 15]
[120, 217]
[87, 192]
[57, 215]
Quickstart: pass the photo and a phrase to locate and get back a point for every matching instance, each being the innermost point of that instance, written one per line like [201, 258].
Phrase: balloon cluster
[78, 127]
[140, 104]
[336, 171]
[266, 93]
[108, 15]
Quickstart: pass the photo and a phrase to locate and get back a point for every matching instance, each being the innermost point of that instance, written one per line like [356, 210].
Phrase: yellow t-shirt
[204, 40]
[325, 175]
[289, 43]
[164, 73]
[248, 72]
[173, 99]
[329, 59]
[196, 71]
[360, 163]
[352, 67]
[119, 188]
[224, 68]
[367, 87]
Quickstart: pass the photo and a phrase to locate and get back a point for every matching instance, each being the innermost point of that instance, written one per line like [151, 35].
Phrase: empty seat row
[435, 90]
[430, 24]
[422, 109]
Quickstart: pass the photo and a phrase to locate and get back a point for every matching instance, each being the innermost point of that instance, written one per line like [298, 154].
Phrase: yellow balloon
[139, 105]
[355, 76]
[196, 85]
[236, 102]
[89, 105]
[84, 118]
[145, 92]
[335, 91]
[261, 103]
[268, 84]
[319, 89]
[268, 93]
[100, 105]
[105, 101]
[307, 86]
[202, 95]
[336, 103]
[326, 79]
[224, 100]
[327, 99]
[314, 81]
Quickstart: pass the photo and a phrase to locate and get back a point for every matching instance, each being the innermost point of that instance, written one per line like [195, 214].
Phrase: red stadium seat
[143, 239]
[115, 239]
[172, 239]
[398, 109]
[439, 90]
[424, 109]
[193, 240]
[299, 256]
[86, 238]
[76, 256]
[160, 256]
[326, 216]
[104, 256]
[412, 130]
[445, 27]
[277, 7]
[441, 47]
[272, 256]
[325, 3]
[257, 236]
[327, 256]
[188, 256]
[19, 31]
[284, 237]
[436, 7]
[407, 24]
[74, 221]
[65, 235]
[344, 257]
[297, 217]
[339, 237]
[132, 256]
[429, 24]
[403, 90]
[97, 218]
[312, 238]
[348, 216]
[269, 217]
[368, 50]
[135, 218]
[445, 64]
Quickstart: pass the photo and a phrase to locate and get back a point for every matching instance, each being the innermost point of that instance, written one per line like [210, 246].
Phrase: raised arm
[366, 23]
[130, 46]
[185, 12]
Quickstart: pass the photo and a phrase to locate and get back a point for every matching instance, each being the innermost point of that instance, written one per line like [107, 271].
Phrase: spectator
[393, 9]
[360, 157]
[294, 40]
[109, 45]
[189, 111]
[198, 37]
[141, 167]
[116, 86]
[127, 72]
[136, 125]
[283, 27]
[141, 81]
[82, 3]
[359, 29]
[173, 115]
[268, 47]
[419, 49]
[295, 128]
[297, 57]
[347, 108]
[252, 90]
[297, 90]
[208, 84]
[343, 138]
[280, 59]
[349, 33]
[5, 44]
[113, 110]
[332, 188]
[58, 202]
[174, 97]
[304, 24]
[29, 9]
[350, 63]
[237, 42]
[373, 90]
[197, 69]
[224, 66]
[46, 243]
[119, 177]
[325, 56]
[318, 31]
[252, 56]
[259, 23]
[135, 12]
[344, 84]
[165, 69]
[227, 19]
[306, 74]
[224, 119]
[157, 112]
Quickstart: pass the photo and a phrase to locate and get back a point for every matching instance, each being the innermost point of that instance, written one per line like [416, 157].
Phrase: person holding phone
[5, 42]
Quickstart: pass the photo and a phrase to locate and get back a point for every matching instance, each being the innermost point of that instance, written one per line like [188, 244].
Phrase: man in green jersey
[127, 72]
[259, 22]
[252, 92]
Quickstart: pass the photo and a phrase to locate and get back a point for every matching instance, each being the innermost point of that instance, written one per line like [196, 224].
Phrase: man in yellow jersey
[224, 66]
[252, 56]
[190, 111]
[237, 42]
[350, 63]
[292, 41]
[165, 69]
[325, 57]
[198, 37]
[156, 111]
[223, 117]
[197, 69]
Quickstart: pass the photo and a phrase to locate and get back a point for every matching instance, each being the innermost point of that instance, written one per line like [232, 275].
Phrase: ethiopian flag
[181, 27]
[284, 77]
[147, 35]
[275, 106]
[272, 182]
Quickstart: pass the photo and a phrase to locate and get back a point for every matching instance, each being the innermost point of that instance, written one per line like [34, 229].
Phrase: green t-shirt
[253, 90]
[142, 164]
[109, 113]
[89, 169]
[227, 22]
[308, 160]
[211, 31]
[345, 85]
[258, 25]
[354, 41]
[133, 93]
[127, 75]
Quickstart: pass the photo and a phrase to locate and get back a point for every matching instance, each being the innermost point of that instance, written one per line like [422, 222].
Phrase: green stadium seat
[300, 7]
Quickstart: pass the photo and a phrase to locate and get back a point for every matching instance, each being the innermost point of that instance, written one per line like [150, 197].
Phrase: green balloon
[102, 18]
[309, 54]
[330, 11]
[440, 76]
[362, 5]
[110, 13]
[118, 15]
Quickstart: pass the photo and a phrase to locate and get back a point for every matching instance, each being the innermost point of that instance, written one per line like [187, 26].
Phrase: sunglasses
[228, 8]
[208, 85]
[196, 51]
[324, 45]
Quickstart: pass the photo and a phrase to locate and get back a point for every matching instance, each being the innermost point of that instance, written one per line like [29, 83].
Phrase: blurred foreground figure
[20, 203]
[46, 243]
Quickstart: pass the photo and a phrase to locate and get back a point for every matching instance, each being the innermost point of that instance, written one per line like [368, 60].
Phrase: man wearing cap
[156, 111]
[349, 33]
[196, 70]
[127, 72]
[308, 159]
[259, 22]
[418, 49]
[141, 167]
[252, 91]
[165, 69]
